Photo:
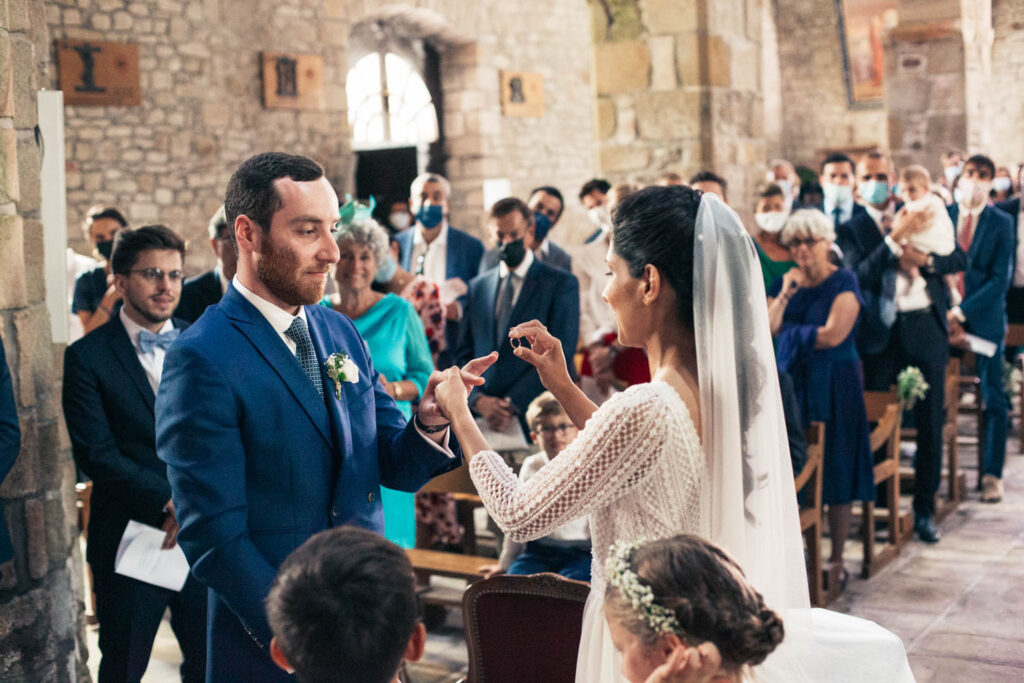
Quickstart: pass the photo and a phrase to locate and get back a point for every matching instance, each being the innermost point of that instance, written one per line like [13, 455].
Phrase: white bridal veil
[753, 501]
[754, 513]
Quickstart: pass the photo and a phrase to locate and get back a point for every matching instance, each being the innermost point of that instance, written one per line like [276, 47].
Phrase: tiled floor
[958, 605]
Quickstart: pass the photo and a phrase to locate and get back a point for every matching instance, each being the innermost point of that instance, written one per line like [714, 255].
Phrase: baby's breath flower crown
[637, 594]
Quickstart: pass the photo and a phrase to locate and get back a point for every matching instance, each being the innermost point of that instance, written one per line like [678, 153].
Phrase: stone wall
[169, 159]
[678, 87]
[1007, 81]
[41, 634]
[815, 108]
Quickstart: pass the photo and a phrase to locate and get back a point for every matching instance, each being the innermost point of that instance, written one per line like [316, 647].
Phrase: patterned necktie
[504, 309]
[148, 340]
[299, 334]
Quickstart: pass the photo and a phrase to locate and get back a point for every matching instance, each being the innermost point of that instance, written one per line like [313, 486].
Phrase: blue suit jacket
[462, 260]
[549, 295]
[1011, 207]
[869, 257]
[10, 444]
[987, 276]
[258, 461]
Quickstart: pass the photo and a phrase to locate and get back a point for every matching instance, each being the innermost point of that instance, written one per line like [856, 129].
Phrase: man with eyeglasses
[111, 378]
[202, 291]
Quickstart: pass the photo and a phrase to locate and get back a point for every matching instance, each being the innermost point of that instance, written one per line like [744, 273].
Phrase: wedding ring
[514, 341]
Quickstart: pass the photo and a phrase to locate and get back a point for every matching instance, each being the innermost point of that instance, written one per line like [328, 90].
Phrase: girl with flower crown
[701, 449]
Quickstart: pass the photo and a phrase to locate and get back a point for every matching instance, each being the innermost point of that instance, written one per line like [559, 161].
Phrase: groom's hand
[430, 413]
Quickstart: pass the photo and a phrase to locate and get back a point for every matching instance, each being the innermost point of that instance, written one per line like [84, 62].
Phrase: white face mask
[974, 193]
[952, 172]
[600, 216]
[771, 221]
[399, 220]
[1001, 184]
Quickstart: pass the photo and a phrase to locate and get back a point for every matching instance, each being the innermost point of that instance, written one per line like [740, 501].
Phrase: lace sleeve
[613, 453]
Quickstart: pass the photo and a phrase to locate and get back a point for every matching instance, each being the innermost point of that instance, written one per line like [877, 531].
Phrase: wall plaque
[522, 94]
[292, 81]
[93, 72]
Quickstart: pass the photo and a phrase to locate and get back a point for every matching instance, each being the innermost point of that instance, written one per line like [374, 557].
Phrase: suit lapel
[324, 346]
[251, 323]
[526, 294]
[124, 351]
[485, 307]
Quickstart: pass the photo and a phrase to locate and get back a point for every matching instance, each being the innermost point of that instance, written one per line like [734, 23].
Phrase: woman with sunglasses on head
[813, 313]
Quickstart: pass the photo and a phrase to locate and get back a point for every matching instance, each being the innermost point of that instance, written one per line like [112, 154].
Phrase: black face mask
[512, 253]
[105, 248]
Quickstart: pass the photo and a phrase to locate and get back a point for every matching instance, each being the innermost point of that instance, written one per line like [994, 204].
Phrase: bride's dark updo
[655, 226]
[707, 593]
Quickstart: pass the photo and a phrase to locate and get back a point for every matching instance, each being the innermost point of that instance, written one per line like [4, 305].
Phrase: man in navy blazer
[10, 444]
[986, 233]
[1015, 295]
[111, 377]
[203, 291]
[264, 444]
[436, 250]
[519, 289]
[902, 322]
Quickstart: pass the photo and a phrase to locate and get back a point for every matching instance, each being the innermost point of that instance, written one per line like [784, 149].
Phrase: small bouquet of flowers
[341, 368]
[911, 387]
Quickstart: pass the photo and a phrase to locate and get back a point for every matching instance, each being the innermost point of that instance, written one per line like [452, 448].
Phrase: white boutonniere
[341, 368]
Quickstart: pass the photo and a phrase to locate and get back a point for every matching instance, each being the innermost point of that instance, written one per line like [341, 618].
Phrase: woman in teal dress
[771, 215]
[398, 345]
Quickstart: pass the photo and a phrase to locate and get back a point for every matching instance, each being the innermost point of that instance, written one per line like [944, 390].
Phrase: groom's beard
[282, 273]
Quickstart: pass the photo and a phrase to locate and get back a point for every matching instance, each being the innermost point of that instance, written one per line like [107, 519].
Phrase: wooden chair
[1015, 339]
[970, 383]
[427, 563]
[883, 410]
[810, 513]
[524, 628]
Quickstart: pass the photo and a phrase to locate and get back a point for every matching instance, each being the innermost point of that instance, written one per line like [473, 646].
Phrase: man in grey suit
[547, 205]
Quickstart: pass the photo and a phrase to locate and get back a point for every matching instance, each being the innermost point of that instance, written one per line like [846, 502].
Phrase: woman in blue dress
[398, 345]
[813, 312]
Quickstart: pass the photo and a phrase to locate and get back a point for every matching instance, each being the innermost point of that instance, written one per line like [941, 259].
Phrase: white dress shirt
[574, 533]
[281, 320]
[152, 362]
[845, 211]
[588, 265]
[278, 318]
[520, 272]
[435, 262]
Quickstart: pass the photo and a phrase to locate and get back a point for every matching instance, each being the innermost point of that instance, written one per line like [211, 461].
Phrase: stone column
[41, 630]
[938, 60]
[679, 89]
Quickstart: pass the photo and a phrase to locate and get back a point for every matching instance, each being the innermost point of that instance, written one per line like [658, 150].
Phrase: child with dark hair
[343, 609]
[681, 609]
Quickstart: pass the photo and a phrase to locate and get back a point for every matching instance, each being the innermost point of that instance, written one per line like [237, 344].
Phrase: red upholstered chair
[524, 628]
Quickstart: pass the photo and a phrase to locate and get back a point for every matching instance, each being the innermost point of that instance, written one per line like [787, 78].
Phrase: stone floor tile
[1004, 651]
[932, 669]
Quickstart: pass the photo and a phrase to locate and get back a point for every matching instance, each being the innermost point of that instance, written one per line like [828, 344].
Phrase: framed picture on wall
[862, 27]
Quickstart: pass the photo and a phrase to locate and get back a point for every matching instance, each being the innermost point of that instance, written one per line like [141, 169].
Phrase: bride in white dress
[684, 284]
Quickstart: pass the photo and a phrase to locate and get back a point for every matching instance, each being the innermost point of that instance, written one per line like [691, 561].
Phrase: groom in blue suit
[264, 446]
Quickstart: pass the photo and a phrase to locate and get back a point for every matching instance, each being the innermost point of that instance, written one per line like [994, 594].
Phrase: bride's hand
[686, 664]
[545, 352]
[430, 411]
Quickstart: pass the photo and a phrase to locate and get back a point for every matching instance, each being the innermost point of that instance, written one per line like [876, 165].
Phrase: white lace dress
[638, 471]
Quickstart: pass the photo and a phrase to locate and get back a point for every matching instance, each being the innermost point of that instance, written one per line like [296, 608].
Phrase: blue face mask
[430, 216]
[874, 191]
[386, 270]
[543, 226]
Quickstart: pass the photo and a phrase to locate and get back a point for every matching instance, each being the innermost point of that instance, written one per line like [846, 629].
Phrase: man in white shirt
[837, 184]
[111, 377]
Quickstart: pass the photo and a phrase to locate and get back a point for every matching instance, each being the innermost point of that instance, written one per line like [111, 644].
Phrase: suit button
[334, 511]
[369, 497]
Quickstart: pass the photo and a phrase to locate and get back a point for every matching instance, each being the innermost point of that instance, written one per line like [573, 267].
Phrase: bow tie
[148, 340]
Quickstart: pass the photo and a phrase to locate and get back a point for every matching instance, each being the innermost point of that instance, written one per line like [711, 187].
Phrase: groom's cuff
[443, 447]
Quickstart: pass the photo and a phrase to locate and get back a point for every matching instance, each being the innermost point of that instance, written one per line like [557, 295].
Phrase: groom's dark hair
[343, 607]
[251, 190]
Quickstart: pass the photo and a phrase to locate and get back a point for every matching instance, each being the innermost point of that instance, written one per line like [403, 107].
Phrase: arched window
[388, 103]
